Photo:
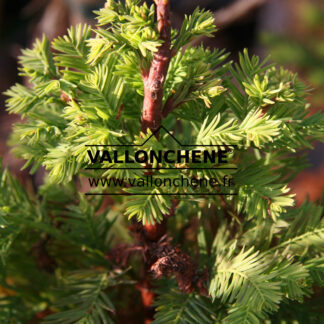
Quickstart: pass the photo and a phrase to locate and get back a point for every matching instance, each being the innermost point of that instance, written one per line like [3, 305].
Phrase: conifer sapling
[186, 254]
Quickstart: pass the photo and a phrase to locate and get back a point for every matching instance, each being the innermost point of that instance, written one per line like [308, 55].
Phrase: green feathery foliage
[175, 307]
[264, 256]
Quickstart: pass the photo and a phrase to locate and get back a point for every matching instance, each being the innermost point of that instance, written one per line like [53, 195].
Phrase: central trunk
[155, 78]
[153, 92]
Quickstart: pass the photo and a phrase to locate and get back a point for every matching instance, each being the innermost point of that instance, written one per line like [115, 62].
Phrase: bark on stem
[154, 79]
[153, 90]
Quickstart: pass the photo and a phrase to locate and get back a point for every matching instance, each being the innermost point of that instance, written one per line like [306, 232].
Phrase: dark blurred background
[291, 31]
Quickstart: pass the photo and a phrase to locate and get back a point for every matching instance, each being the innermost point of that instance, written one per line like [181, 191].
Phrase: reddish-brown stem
[170, 106]
[154, 232]
[155, 78]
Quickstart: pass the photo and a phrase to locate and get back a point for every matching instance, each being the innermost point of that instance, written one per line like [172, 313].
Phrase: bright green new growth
[86, 88]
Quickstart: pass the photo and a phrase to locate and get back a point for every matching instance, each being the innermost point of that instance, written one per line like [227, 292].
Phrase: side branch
[154, 80]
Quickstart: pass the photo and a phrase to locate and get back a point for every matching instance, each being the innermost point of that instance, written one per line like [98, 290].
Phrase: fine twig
[236, 11]
[227, 16]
